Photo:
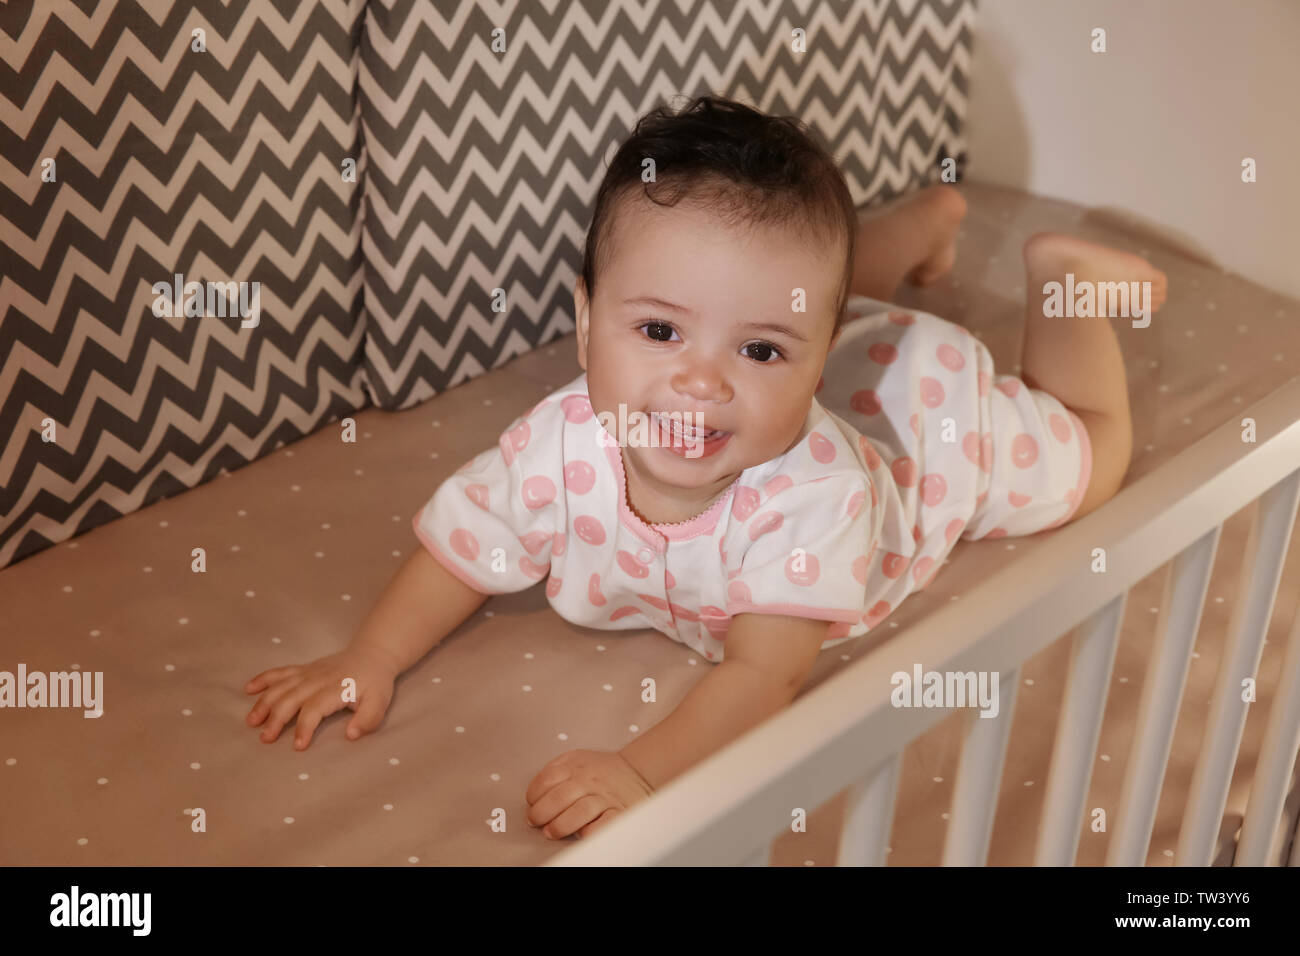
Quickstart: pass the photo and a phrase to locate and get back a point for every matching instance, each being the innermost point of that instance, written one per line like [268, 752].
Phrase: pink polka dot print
[978, 451]
[932, 393]
[950, 358]
[767, 521]
[878, 612]
[892, 565]
[631, 565]
[855, 503]
[904, 471]
[921, 568]
[682, 613]
[589, 529]
[954, 528]
[882, 353]
[802, 569]
[478, 494]
[777, 485]
[538, 492]
[869, 453]
[577, 408]
[533, 569]
[464, 544]
[866, 402]
[1024, 451]
[933, 489]
[1061, 430]
[821, 448]
[744, 503]
[514, 441]
[579, 477]
[534, 541]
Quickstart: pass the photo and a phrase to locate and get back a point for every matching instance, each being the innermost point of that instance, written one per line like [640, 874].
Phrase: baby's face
[685, 320]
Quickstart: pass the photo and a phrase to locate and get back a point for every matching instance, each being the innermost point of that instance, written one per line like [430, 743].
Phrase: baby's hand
[317, 690]
[580, 791]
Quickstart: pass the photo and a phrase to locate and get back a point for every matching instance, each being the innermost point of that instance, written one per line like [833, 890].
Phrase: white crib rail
[845, 733]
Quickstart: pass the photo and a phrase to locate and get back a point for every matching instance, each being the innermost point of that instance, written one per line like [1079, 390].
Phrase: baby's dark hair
[747, 166]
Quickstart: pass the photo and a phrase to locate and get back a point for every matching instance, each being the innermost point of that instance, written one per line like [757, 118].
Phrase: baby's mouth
[684, 432]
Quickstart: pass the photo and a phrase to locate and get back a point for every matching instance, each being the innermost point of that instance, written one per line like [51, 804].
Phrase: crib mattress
[301, 543]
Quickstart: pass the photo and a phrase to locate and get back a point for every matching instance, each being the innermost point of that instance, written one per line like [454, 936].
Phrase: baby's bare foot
[1049, 256]
[944, 208]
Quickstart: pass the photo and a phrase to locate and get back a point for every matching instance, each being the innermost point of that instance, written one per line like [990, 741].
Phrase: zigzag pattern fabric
[224, 226]
[487, 127]
[136, 150]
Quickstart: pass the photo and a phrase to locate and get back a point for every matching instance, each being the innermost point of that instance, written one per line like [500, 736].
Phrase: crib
[725, 810]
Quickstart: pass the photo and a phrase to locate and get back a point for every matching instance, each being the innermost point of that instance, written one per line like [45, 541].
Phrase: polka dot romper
[911, 442]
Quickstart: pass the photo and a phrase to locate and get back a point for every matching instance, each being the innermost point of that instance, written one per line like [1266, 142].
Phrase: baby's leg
[914, 238]
[1078, 359]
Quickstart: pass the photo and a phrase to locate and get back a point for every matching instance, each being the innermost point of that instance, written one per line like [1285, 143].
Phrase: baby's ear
[581, 308]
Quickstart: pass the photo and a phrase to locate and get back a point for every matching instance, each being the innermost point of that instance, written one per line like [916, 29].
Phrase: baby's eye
[661, 326]
[763, 347]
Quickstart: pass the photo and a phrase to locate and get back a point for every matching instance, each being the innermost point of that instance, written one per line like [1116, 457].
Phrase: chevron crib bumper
[406, 184]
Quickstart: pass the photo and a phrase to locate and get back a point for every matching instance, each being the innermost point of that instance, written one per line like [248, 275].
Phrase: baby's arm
[422, 604]
[768, 657]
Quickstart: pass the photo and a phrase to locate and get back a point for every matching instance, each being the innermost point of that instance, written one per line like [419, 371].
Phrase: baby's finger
[369, 713]
[284, 709]
[270, 677]
[323, 703]
[309, 719]
[270, 697]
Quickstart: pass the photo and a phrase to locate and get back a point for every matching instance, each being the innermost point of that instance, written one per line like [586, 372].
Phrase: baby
[689, 481]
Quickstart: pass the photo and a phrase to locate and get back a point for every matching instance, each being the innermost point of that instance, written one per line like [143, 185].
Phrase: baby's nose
[703, 382]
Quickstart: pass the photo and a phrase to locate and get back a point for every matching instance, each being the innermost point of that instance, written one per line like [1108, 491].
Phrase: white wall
[1154, 129]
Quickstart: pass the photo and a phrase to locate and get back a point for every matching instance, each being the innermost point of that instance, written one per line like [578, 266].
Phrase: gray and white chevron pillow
[375, 170]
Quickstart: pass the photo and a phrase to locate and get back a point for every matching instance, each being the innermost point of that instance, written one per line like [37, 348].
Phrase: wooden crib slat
[979, 775]
[1092, 657]
[1162, 693]
[1265, 550]
[1276, 755]
[869, 815]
